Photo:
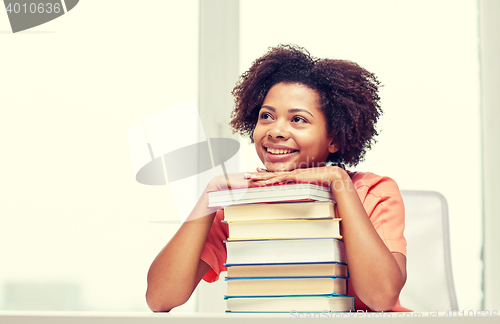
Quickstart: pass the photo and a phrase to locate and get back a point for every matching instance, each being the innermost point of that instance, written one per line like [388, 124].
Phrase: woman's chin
[276, 167]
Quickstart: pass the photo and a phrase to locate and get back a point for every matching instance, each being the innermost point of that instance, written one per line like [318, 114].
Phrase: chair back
[430, 285]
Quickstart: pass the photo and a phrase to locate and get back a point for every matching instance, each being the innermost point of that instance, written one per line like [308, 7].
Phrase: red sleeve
[384, 205]
[214, 251]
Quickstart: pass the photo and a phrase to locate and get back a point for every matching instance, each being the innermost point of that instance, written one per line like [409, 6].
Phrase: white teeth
[278, 151]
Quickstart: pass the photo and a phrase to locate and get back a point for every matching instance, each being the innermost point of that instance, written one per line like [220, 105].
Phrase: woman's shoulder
[371, 183]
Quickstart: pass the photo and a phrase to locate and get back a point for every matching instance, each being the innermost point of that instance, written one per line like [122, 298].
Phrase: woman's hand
[232, 181]
[332, 176]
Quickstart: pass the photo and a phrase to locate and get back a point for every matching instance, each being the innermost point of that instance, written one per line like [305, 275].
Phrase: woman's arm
[177, 270]
[376, 274]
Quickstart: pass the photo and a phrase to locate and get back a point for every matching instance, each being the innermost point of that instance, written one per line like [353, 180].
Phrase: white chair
[430, 285]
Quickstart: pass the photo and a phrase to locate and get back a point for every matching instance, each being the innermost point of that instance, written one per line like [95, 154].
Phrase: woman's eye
[265, 116]
[298, 119]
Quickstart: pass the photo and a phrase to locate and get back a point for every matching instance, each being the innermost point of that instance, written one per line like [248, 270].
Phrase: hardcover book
[278, 286]
[286, 251]
[296, 228]
[277, 211]
[323, 269]
[271, 193]
[289, 304]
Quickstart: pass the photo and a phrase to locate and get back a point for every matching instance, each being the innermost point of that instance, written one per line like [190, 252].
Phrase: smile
[279, 151]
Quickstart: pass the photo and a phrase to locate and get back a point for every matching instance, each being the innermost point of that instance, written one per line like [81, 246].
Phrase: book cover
[278, 211]
[286, 251]
[281, 286]
[290, 228]
[268, 194]
[319, 269]
[289, 304]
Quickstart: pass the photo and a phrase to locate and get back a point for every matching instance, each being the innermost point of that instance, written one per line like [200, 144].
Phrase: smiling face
[291, 130]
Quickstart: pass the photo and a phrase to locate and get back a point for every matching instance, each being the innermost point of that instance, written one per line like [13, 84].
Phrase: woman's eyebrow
[295, 110]
[292, 110]
[269, 107]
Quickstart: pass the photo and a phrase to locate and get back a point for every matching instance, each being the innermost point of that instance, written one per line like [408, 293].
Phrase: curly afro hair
[348, 97]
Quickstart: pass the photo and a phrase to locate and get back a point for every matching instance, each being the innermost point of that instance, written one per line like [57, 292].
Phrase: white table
[11, 317]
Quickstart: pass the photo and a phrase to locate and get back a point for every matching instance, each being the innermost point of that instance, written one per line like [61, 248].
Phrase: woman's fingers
[283, 177]
[273, 177]
[312, 175]
[263, 176]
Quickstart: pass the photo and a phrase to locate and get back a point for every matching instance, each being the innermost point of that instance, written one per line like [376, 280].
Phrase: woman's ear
[332, 148]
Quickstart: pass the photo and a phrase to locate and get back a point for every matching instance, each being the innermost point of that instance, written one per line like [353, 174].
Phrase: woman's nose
[279, 129]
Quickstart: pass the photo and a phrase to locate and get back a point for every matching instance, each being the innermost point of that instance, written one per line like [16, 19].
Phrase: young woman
[308, 118]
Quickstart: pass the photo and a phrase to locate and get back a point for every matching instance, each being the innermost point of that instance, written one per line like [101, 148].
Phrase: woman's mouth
[279, 151]
[279, 155]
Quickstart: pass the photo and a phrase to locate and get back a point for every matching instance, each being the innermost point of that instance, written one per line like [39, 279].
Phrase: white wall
[71, 89]
[426, 55]
[71, 210]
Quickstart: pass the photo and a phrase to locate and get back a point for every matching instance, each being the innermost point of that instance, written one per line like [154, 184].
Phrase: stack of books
[284, 251]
